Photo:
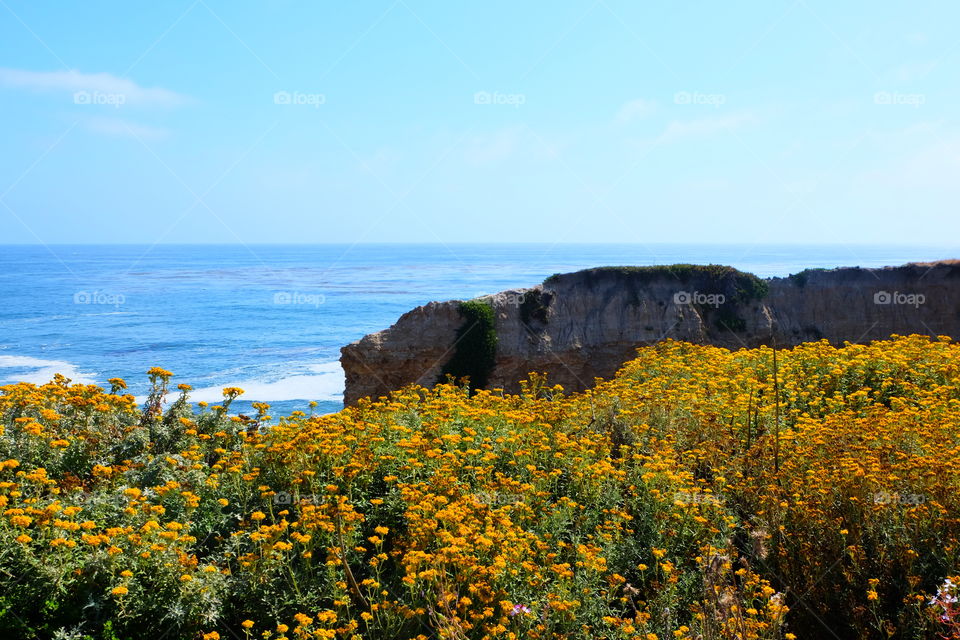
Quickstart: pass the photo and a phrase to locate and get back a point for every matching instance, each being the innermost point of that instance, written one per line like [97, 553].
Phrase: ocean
[271, 319]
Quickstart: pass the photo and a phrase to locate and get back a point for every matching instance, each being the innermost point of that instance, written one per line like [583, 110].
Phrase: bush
[667, 501]
[475, 348]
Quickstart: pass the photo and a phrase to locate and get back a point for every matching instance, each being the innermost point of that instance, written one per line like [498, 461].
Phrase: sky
[281, 121]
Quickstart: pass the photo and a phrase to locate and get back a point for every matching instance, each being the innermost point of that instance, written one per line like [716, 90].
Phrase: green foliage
[743, 286]
[534, 307]
[475, 351]
[727, 319]
[800, 279]
[737, 287]
[652, 505]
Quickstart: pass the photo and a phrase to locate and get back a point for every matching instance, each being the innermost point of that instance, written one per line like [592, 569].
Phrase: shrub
[475, 348]
[668, 501]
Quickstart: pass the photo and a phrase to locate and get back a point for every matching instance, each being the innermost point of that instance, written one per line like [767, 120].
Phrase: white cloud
[492, 148]
[382, 159]
[916, 38]
[709, 184]
[124, 128]
[103, 84]
[933, 166]
[701, 127]
[910, 137]
[909, 72]
[511, 143]
[635, 109]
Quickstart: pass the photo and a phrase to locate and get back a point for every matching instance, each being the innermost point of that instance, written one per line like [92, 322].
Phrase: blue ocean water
[271, 319]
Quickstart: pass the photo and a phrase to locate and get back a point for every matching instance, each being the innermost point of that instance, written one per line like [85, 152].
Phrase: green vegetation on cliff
[737, 287]
[475, 349]
[741, 285]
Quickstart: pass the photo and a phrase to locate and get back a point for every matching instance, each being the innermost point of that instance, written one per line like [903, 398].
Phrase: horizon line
[481, 243]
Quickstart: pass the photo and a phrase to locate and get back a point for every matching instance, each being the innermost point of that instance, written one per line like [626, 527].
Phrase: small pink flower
[519, 608]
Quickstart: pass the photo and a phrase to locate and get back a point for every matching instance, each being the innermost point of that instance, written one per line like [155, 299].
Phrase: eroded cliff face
[579, 326]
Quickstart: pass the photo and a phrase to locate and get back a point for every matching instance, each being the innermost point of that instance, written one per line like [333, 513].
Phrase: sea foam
[40, 371]
[321, 382]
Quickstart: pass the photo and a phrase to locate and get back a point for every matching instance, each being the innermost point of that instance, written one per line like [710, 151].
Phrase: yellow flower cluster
[701, 493]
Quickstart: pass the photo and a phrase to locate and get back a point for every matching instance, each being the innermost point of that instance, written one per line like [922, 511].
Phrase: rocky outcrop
[579, 326]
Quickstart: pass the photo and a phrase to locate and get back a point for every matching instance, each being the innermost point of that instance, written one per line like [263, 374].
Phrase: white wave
[107, 313]
[41, 371]
[324, 382]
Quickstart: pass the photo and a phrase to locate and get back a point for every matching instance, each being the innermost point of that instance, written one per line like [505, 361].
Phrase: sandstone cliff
[579, 326]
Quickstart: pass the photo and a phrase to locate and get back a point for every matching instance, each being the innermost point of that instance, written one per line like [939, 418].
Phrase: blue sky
[601, 121]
